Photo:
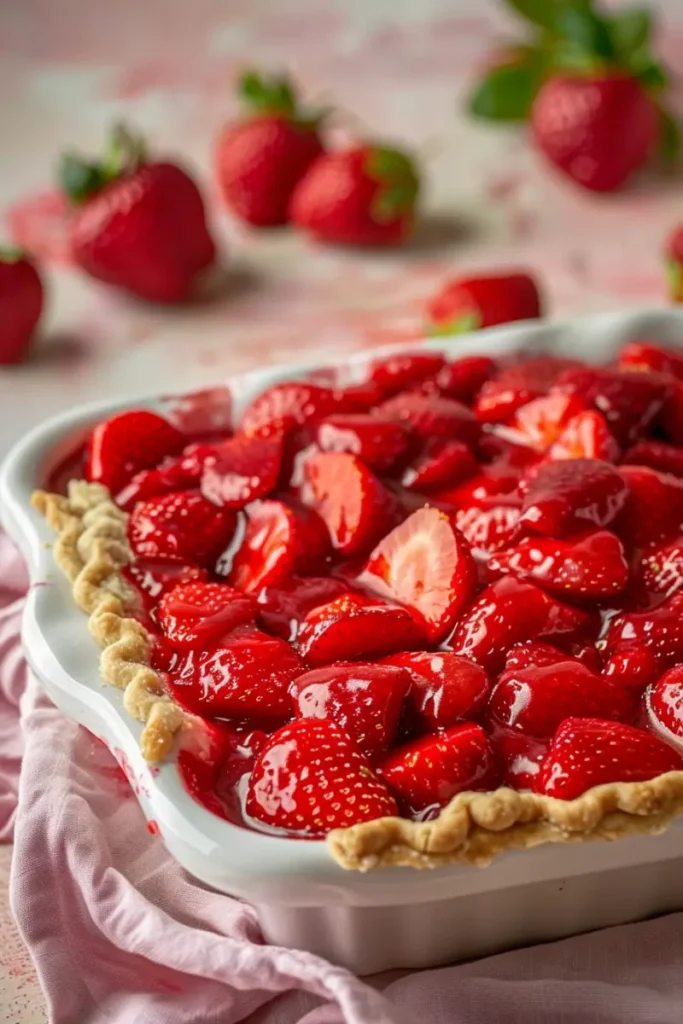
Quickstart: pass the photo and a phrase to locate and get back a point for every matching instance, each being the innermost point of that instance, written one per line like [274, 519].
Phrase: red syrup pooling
[70, 467]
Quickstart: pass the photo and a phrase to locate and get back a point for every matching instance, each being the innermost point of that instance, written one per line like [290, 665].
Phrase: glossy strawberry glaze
[453, 575]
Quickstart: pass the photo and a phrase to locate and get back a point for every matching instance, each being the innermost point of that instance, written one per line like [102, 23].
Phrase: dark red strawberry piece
[355, 627]
[634, 668]
[360, 397]
[589, 752]
[280, 409]
[586, 436]
[671, 417]
[126, 443]
[400, 371]
[570, 495]
[365, 700]
[533, 654]
[667, 458]
[645, 355]
[660, 629]
[280, 539]
[518, 384]
[492, 482]
[310, 777]
[510, 612]
[660, 569]
[202, 415]
[197, 615]
[184, 526]
[654, 510]
[378, 443]
[247, 676]
[536, 699]
[244, 469]
[588, 567]
[630, 402]
[177, 474]
[203, 750]
[446, 688]
[463, 379]
[431, 416]
[284, 606]
[542, 421]
[665, 702]
[490, 525]
[356, 508]
[519, 757]
[440, 464]
[427, 773]
[424, 564]
[152, 577]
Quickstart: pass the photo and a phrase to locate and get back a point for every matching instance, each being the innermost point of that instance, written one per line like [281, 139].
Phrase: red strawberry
[184, 526]
[654, 510]
[356, 508]
[282, 408]
[284, 606]
[425, 565]
[246, 676]
[660, 629]
[518, 384]
[586, 436]
[463, 378]
[310, 777]
[667, 458]
[427, 773]
[243, 469]
[491, 524]
[586, 567]
[21, 304]
[674, 263]
[205, 749]
[197, 615]
[597, 129]
[260, 159]
[202, 415]
[126, 443]
[152, 577]
[402, 371]
[355, 627]
[497, 482]
[470, 303]
[440, 464]
[665, 702]
[660, 570]
[542, 421]
[364, 700]
[519, 756]
[172, 474]
[570, 495]
[446, 688]
[630, 402]
[365, 195]
[537, 699]
[646, 355]
[588, 752]
[671, 416]
[378, 443]
[533, 654]
[431, 416]
[509, 612]
[634, 668]
[279, 540]
[139, 224]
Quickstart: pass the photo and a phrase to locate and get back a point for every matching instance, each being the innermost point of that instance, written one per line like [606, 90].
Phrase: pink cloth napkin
[120, 934]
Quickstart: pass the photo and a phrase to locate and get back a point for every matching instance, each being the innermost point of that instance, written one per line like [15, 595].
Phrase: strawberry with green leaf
[470, 303]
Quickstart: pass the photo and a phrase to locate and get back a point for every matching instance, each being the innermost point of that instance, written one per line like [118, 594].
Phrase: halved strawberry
[184, 526]
[310, 777]
[424, 564]
[446, 688]
[667, 458]
[493, 481]
[355, 627]
[400, 371]
[126, 443]
[518, 384]
[586, 436]
[536, 699]
[660, 568]
[283, 606]
[630, 402]
[203, 748]
[463, 379]
[427, 773]
[566, 496]
[533, 654]
[491, 524]
[244, 469]
[201, 415]
[247, 676]
[542, 421]
[665, 701]
[152, 577]
[173, 474]
[440, 464]
[377, 442]
[279, 539]
[196, 615]
[633, 668]
[356, 508]
[431, 416]
[654, 510]
[660, 629]
[520, 757]
[588, 752]
[646, 355]
[587, 566]
[365, 700]
[280, 409]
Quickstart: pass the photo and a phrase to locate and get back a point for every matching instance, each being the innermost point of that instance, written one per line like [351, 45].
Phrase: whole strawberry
[469, 303]
[137, 223]
[21, 303]
[363, 196]
[260, 159]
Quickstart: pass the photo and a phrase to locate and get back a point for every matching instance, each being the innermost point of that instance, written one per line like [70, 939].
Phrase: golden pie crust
[91, 549]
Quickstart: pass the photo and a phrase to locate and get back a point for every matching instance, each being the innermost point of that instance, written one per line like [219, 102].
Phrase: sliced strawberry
[203, 748]
[427, 773]
[378, 443]
[356, 508]
[424, 564]
[589, 752]
[184, 526]
[665, 702]
[126, 443]
[490, 528]
[280, 409]
[279, 540]
[630, 402]
[355, 627]
[590, 566]
[645, 355]
[446, 688]
[173, 474]
[247, 676]
[566, 496]
[518, 384]
[244, 469]
[520, 757]
[542, 421]
[586, 436]
[660, 569]
[492, 482]
[432, 416]
[365, 700]
[463, 379]
[633, 669]
[667, 458]
[400, 371]
[152, 577]
[510, 612]
[536, 699]
[533, 654]
[310, 777]
[196, 615]
[440, 464]
[284, 606]
[660, 629]
[654, 510]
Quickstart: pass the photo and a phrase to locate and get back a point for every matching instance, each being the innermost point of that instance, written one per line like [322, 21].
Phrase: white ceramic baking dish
[367, 922]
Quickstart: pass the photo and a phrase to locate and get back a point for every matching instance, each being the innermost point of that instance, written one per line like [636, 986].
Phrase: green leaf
[538, 12]
[10, 254]
[585, 31]
[79, 178]
[651, 75]
[507, 92]
[392, 202]
[670, 137]
[268, 95]
[386, 164]
[630, 31]
[674, 279]
[462, 325]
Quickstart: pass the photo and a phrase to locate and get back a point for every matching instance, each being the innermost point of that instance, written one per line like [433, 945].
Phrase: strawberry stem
[81, 178]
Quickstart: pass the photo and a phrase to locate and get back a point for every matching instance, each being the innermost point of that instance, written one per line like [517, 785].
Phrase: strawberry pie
[430, 616]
